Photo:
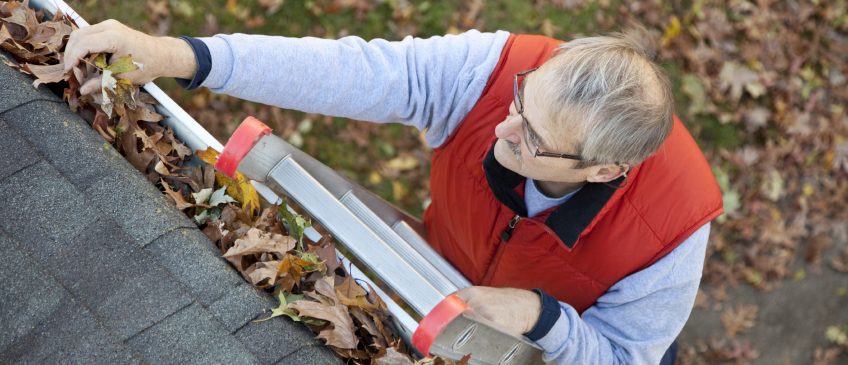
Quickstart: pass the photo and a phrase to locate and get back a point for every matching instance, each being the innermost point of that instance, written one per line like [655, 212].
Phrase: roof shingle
[99, 267]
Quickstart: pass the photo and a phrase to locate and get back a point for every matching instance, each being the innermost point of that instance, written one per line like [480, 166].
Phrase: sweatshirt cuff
[222, 62]
[204, 63]
[547, 318]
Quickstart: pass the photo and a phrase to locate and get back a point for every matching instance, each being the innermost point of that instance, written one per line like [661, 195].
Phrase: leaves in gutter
[267, 246]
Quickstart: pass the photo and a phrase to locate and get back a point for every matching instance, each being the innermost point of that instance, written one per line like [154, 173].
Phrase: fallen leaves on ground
[739, 319]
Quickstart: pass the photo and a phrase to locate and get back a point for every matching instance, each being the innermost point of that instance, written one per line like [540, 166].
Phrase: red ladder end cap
[249, 132]
[434, 322]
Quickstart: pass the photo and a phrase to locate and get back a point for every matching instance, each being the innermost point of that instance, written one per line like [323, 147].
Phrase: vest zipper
[507, 233]
[505, 236]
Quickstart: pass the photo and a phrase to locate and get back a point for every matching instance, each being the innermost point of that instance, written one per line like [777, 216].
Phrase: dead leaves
[739, 319]
[239, 188]
[48, 74]
[28, 36]
[328, 307]
[765, 95]
[258, 242]
[735, 78]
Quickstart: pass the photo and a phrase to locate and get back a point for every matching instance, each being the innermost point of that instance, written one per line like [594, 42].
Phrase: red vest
[575, 251]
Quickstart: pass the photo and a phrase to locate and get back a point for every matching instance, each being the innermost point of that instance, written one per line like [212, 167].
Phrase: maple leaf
[392, 357]
[50, 35]
[263, 273]
[738, 319]
[366, 321]
[352, 295]
[258, 242]
[129, 146]
[46, 74]
[341, 334]
[735, 77]
[176, 196]
[182, 150]
[310, 262]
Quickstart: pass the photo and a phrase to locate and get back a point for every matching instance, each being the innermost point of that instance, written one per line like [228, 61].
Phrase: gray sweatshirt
[432, 84]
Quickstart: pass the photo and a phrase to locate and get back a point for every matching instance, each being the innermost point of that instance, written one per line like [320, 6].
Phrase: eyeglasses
[529, 134]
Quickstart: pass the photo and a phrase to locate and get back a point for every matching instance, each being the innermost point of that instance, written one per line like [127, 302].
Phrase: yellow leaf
[121, 65]
[399, 190]
[238, 188]
[375, 178]
[100, 61]
[808, 190]
[671, 31]
[208, 155]
[402, 163]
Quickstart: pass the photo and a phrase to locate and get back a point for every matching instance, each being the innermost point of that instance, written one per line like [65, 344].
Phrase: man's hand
[513, 311]
[158, 56]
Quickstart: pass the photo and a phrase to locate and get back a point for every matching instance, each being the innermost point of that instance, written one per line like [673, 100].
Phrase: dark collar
[569, 219]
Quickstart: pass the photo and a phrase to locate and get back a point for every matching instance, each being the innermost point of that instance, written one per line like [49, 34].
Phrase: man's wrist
[182, 62]
[548, 315]
[203, 61]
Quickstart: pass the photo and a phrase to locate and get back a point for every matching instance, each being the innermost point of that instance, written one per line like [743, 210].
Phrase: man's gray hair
[609, 92]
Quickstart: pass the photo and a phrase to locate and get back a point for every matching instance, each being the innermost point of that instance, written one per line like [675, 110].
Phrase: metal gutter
[381, 236]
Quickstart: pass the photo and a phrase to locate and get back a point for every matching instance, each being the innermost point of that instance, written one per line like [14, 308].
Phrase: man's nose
[509, 129]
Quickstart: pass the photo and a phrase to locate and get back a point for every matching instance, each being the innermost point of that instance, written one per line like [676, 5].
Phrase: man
[557, 167]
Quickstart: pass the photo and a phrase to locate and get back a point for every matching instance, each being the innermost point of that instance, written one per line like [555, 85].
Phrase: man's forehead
[535, 109]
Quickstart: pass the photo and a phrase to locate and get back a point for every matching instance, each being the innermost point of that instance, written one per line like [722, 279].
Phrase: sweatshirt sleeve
[638, 318]
[427, 83]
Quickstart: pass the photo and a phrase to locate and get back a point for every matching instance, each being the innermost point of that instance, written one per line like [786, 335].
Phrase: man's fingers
[96, 38]
[95, 43]
[91, 86]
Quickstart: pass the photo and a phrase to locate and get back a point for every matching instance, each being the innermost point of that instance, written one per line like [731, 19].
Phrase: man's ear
[606, 172]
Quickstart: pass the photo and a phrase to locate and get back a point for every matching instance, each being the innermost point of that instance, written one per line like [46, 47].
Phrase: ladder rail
[198, 138]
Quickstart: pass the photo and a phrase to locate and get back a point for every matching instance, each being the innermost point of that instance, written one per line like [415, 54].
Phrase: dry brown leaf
[176, 196]
[392, 357]
[352, 295]
[263, 274]
[46, 74]
[326, 251]
[341, 335]
[129, 145]
[290, 273]
[739, 319]
[828, 356]
[366, 321]
[258, 242]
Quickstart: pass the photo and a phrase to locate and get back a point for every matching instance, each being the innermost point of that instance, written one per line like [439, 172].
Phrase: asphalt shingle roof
[99, 267]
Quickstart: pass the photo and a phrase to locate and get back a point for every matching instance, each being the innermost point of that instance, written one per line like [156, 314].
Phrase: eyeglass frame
[519, 106]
